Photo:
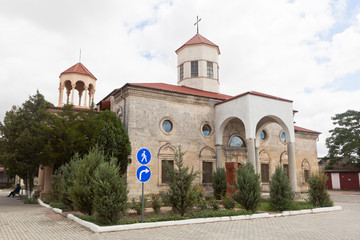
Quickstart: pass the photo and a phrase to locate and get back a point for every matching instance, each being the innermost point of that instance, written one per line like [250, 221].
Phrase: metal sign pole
[142, 205]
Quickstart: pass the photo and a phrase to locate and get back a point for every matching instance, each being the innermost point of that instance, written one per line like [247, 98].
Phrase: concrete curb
[99, 229]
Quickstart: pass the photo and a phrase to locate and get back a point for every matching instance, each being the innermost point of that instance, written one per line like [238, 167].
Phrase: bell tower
[79, 78]
[198, 64]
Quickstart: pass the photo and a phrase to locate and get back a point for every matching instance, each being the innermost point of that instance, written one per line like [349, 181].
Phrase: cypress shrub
[110, 193]
[68, 175]
[228, 202]
[281, 194]
[82, 192]
[248, 188]
[318, 194]
[182, 195]
[219, 183]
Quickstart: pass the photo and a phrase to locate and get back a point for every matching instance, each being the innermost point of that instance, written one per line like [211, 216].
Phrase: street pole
[142, 205]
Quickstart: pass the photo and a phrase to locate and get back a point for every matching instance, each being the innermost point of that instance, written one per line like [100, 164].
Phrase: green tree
[318, 194]
[344, 142]
[110, 193]
[219, 183]
[21, 140]
[181, 193]
[248, 187]
[82, 192]
[113, 139]
[281, 194]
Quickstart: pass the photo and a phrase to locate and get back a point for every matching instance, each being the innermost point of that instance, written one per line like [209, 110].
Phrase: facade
[212, 128]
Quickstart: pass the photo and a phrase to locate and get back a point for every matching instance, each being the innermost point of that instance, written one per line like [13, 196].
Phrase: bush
[228, 202]
[202, 204]
[248, 188]
[56, 186]
[219, 183]
[182, 195]
[165, 198]
[82, 193]
[68, 175]
[30, 201]
[281, 194]
[318, 194]
[155, 202]
[137, 206]
[213, 204]
[110, 193]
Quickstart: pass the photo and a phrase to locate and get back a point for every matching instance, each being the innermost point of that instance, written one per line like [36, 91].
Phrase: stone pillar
[292, 165]
[72, 94]
[231, 168]
[257, 168]
[41, 178]
[61, 91]
[80, 95]
[85, 93]
[218, 155]
[47, 182]
[250, 143]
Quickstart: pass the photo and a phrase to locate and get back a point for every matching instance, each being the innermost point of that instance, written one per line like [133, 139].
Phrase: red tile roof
[300, 129]
[198, 39]
[181, 89]
[256, 94]
[79, 68]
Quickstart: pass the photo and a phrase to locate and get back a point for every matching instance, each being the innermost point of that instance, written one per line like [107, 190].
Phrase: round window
[263, 135]
[282, 137]
[206, 129]
[167, 126]
[236, 142]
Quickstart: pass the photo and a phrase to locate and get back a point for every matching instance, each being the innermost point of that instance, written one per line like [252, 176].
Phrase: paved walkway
[21, 221]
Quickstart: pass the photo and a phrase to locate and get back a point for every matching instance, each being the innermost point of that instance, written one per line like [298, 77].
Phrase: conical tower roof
[199, 39]
[79, 68]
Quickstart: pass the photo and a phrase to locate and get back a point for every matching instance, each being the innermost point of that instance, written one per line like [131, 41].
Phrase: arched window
[282, 137]
[305, 170]
[236, 141]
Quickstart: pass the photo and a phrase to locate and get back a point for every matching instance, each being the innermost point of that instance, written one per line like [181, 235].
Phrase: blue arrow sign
[143, 156]
[143, 174]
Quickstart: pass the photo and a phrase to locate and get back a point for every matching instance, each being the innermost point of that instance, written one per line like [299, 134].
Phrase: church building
[213, 129]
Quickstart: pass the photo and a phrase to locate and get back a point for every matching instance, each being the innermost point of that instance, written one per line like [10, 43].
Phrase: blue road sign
[143, 174]
[143, 156]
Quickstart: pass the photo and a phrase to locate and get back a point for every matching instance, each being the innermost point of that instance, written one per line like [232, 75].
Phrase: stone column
[218, 155]
[250, 143]
[257, 169]
[41, 178]
[85, 94]
[61, 91]
[72, 93]
[292, 165]
[47, 181]
[80, 95]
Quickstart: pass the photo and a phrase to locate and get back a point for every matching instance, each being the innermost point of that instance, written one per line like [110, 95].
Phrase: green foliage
[110, 193]
[113, 139]
[58, 205]
[68, 175]
[248, 188]
[213, 204]
[56, 186]
[281, 194]
[155, 202]
[318, 194]
[82, 192]
[165, 198]
[181, 192]
[21, 142]
[137, 206]
[30, 201]
[202, 204]
[344, 142]
[228, 202]
[219, 183]
[265, 205]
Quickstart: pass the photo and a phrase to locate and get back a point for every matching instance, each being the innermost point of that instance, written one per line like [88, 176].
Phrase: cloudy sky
[304, 50]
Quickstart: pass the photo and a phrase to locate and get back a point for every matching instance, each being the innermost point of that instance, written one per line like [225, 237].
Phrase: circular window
[167, 126]
[263, 135]
[282, 137]
[206, 129]
[236, 142]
